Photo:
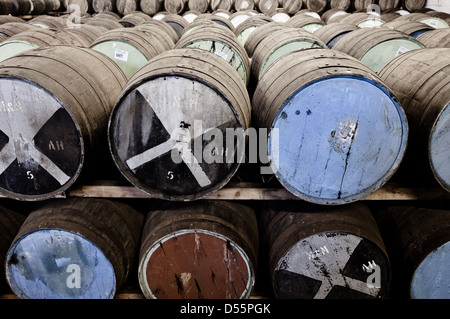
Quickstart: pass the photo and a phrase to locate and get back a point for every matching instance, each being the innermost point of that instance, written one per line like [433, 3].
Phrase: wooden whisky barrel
[413, 5]
[363, 20]
[267, 7]
[12, 28]
[316, 252]
[416, 236]
[175, 6]
[244, 5]
[291, 6]
[375, 47]
[350, 131]
[46, 21]
[131, 48]
[332, 32]
[201, 6]
[386, 5]
[411, 28]
[439, 38]
[280, 43]
[244, 30]
[57, 116]
[6, 7]
[104, 23]
[125, 7]
[100, 6]
[77, 248]
[221, 5]
[421, 82]
[176, 22]
[259, 34]
[201, 250]
[22, 7]
[362, 5]
[180, 156]
[305, 22]
[340, 4]
[10, 222]
[317, 5]
[163, 26]
[222, 42]
[151, 7]
[435, 22]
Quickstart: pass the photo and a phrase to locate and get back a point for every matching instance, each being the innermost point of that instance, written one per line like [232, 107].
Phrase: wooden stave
[175, 6]
[217, 32]
[163, 26]
[235, 93]
[277, 39]
[10, 222]
[317, 5]
[259, 34]
[151, 7]
[412, 5]
[340, 4]
[90, 122]
[112, 226]
[201, 6]
[411, 233]
[333, 30]
[282, 225]
[11, 28]
[435, 38]
[292, 6]
[408, 27]
[421, 110]
[234, 221]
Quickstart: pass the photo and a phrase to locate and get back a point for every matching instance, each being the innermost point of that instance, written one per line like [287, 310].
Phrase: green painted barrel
[375, 47]
[222, 42]
[131, 48]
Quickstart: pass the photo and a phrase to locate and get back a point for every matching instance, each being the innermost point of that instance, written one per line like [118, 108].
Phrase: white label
[401, 50]
[121, 55]
[433, 23]
[223, 55]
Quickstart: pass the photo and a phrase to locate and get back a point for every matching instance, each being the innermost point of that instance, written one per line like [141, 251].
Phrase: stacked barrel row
[94, 248]
[191, 90]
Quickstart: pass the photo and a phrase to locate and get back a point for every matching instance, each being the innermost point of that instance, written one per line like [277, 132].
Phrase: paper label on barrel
[121, 55]
[433, 23]
[328, 263]
[223, 55]
[401, 50]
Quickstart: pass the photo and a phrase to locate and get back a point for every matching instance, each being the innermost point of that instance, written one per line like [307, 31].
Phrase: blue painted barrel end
[338, 139]
[58, 264]
[431, 280]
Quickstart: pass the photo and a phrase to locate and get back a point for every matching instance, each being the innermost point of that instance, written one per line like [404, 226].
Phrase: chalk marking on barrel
[186, 154]
[25, 142]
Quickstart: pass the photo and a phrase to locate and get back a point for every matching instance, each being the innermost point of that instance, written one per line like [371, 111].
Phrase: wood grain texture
[425, 98]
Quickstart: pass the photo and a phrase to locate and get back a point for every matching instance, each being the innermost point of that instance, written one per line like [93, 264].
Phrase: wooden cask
[332, 32]
[316, 252]
[239, 17]
[421, 82]
[10, 222]
[305, 22]
[151, 7]
[363, 20]
[386, 5]
[417, 239]
[267, 7]
[131, 48]
[125, 7]
[176, 22]
[201, 250]
[83, 6]
[100, 6]
[178, 156]
[46, 22]
[22, 7]
[12, 28]
[340, 4]
[221, 5]
[350, 131]
[331, 13]
[375, 47]
[57, 110]
[259, 34]
[163, 26]
[292, 6]
[435, 38]
[362, 5]
[201, 6]
[6, 7]
[175, 6]
[413, 5]
[243, 5]
[104, 23]
[244, 30]
[317, 5]
[76, 248]
[222, 42]
[434, 22]
[280, 43]
[411, 28]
